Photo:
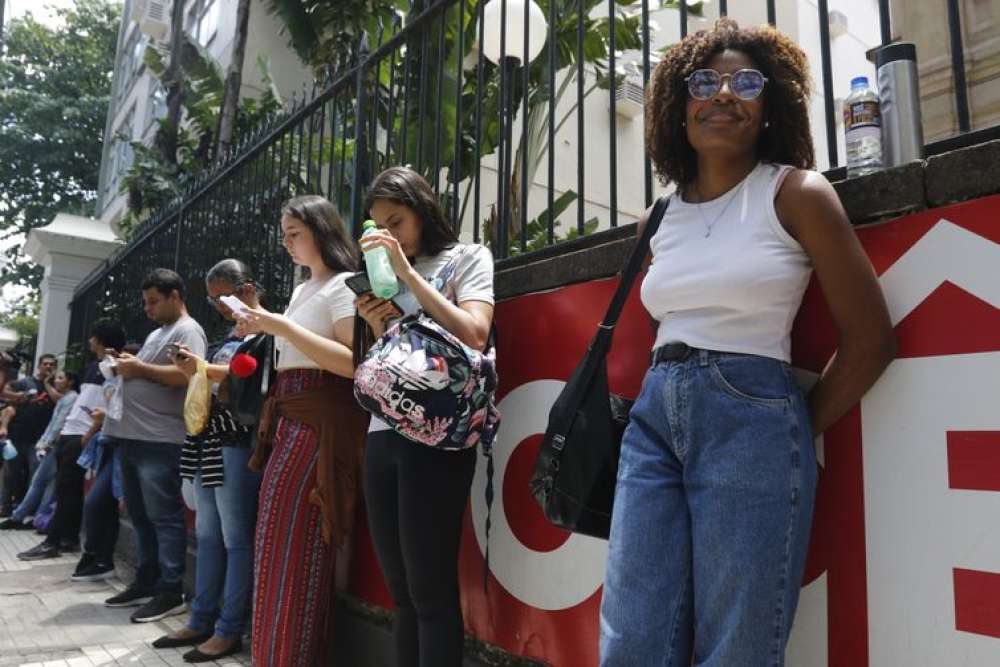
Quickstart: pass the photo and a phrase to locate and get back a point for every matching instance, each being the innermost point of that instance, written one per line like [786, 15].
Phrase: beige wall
[926, 24]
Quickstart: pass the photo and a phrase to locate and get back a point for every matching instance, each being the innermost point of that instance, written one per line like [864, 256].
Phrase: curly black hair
[786, 140]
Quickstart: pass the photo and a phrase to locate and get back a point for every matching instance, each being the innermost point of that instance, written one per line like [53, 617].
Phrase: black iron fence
[524, 151]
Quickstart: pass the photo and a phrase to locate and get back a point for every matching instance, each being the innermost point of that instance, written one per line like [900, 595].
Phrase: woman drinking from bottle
[415, 494]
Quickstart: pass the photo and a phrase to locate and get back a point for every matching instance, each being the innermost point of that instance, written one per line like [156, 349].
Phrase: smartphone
[359, 284]
[233, 303]
[172, 350]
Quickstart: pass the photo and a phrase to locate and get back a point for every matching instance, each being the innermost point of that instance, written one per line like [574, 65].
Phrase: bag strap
[593, 360]
[634, 264]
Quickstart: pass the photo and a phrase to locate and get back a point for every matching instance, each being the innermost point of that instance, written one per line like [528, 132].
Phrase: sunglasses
[746, 84]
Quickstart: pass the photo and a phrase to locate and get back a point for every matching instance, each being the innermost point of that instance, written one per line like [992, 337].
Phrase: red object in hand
[243, 365]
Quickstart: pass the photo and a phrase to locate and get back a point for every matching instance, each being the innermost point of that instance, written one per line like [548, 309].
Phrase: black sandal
[166, 641]
[195, 655]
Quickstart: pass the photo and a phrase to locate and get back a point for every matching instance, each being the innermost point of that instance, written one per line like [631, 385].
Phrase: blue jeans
[41, 490]
[100, 512]
[224, 523]
[151, 480]
[712, 514]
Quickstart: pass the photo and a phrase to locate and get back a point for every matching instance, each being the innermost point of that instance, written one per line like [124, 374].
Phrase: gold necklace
[732, 196]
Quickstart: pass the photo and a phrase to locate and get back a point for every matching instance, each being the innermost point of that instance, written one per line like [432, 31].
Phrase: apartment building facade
[138, 99]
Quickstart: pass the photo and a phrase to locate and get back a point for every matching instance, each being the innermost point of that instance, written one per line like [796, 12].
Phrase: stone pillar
[69, 248]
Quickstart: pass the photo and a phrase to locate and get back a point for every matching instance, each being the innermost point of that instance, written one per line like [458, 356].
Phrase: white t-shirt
[153, 412]
[315, 306]
[472, 280]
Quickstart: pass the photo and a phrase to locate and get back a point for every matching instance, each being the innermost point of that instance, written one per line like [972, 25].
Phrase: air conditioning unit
[838, 24]
[630, 97]
[153, 17]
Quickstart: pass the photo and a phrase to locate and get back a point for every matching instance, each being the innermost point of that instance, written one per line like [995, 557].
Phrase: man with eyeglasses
[149, 435]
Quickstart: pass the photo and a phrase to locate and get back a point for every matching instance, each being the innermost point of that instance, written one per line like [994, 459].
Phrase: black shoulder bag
[246, 396]
[575, 472]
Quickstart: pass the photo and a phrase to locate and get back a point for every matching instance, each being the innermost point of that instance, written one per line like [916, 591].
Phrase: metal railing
[424, 92]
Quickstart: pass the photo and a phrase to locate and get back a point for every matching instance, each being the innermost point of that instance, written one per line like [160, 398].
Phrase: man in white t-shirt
[149, 436]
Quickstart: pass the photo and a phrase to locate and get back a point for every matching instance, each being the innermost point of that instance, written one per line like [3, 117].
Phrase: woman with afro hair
[717, 476]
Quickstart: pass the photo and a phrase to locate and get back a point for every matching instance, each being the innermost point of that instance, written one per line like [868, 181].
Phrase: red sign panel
[905, 557]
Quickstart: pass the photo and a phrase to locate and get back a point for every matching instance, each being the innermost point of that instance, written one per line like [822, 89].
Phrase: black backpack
[246, 396]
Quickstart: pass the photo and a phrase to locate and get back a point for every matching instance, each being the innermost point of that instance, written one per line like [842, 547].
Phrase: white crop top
[316, 307]
[737, 289]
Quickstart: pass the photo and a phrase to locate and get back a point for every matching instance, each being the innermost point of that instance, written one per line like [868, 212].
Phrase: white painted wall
[68, 248]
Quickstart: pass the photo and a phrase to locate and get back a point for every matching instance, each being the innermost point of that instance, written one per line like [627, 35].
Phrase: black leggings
[416, 498]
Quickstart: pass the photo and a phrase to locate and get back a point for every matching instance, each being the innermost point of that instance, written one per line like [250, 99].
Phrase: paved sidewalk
[46, 620]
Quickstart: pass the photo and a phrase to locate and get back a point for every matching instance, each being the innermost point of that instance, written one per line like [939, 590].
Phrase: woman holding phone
[225, 490]
[311, 435]
[416, 495]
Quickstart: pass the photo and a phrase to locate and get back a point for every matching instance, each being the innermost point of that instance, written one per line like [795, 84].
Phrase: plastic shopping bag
[198, 401]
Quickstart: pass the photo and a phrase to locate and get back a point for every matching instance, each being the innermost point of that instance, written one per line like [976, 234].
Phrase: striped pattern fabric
[293, 567]
[204, 451]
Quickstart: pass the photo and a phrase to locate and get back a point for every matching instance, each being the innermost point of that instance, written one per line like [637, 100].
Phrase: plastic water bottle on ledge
[863, 126]
[380, 273]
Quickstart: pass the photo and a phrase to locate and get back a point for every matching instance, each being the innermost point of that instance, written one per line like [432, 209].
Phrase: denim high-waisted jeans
[712, 513]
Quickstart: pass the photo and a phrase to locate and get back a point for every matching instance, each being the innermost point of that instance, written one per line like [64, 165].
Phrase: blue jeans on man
[225, 521]
[152, 484]
[100, 509]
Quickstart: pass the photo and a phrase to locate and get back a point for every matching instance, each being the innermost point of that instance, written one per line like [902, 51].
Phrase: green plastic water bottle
[380, 273]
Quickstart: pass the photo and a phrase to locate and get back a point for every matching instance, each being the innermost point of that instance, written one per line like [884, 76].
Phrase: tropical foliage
[152, 181]
[409, 78]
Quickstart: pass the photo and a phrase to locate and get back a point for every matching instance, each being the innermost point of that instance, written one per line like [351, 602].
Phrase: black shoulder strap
[634, 264]
[561, 420]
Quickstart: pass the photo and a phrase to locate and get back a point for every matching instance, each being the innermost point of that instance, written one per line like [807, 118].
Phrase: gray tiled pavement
[46, 620]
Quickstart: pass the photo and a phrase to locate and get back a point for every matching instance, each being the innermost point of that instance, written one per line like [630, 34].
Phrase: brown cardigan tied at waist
[341, 427]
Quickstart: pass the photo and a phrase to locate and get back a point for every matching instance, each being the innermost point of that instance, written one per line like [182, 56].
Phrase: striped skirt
[293, 568]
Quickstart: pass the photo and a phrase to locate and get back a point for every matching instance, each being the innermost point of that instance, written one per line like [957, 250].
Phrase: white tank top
[736, 289]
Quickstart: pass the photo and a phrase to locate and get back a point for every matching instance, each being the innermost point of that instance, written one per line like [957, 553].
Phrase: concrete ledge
[606, 258]
[884, 194]
[963, 174]
[363, 636]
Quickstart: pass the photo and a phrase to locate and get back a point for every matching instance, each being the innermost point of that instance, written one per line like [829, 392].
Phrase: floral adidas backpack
[429, 386]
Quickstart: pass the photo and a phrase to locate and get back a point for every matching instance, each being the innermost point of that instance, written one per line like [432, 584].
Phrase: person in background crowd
[313, 431]
[41, 490]
[717, 473]
[63, 532]
[216, 461]
[416, 495]
[149, 436]
[103, 463]
[29, 409]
